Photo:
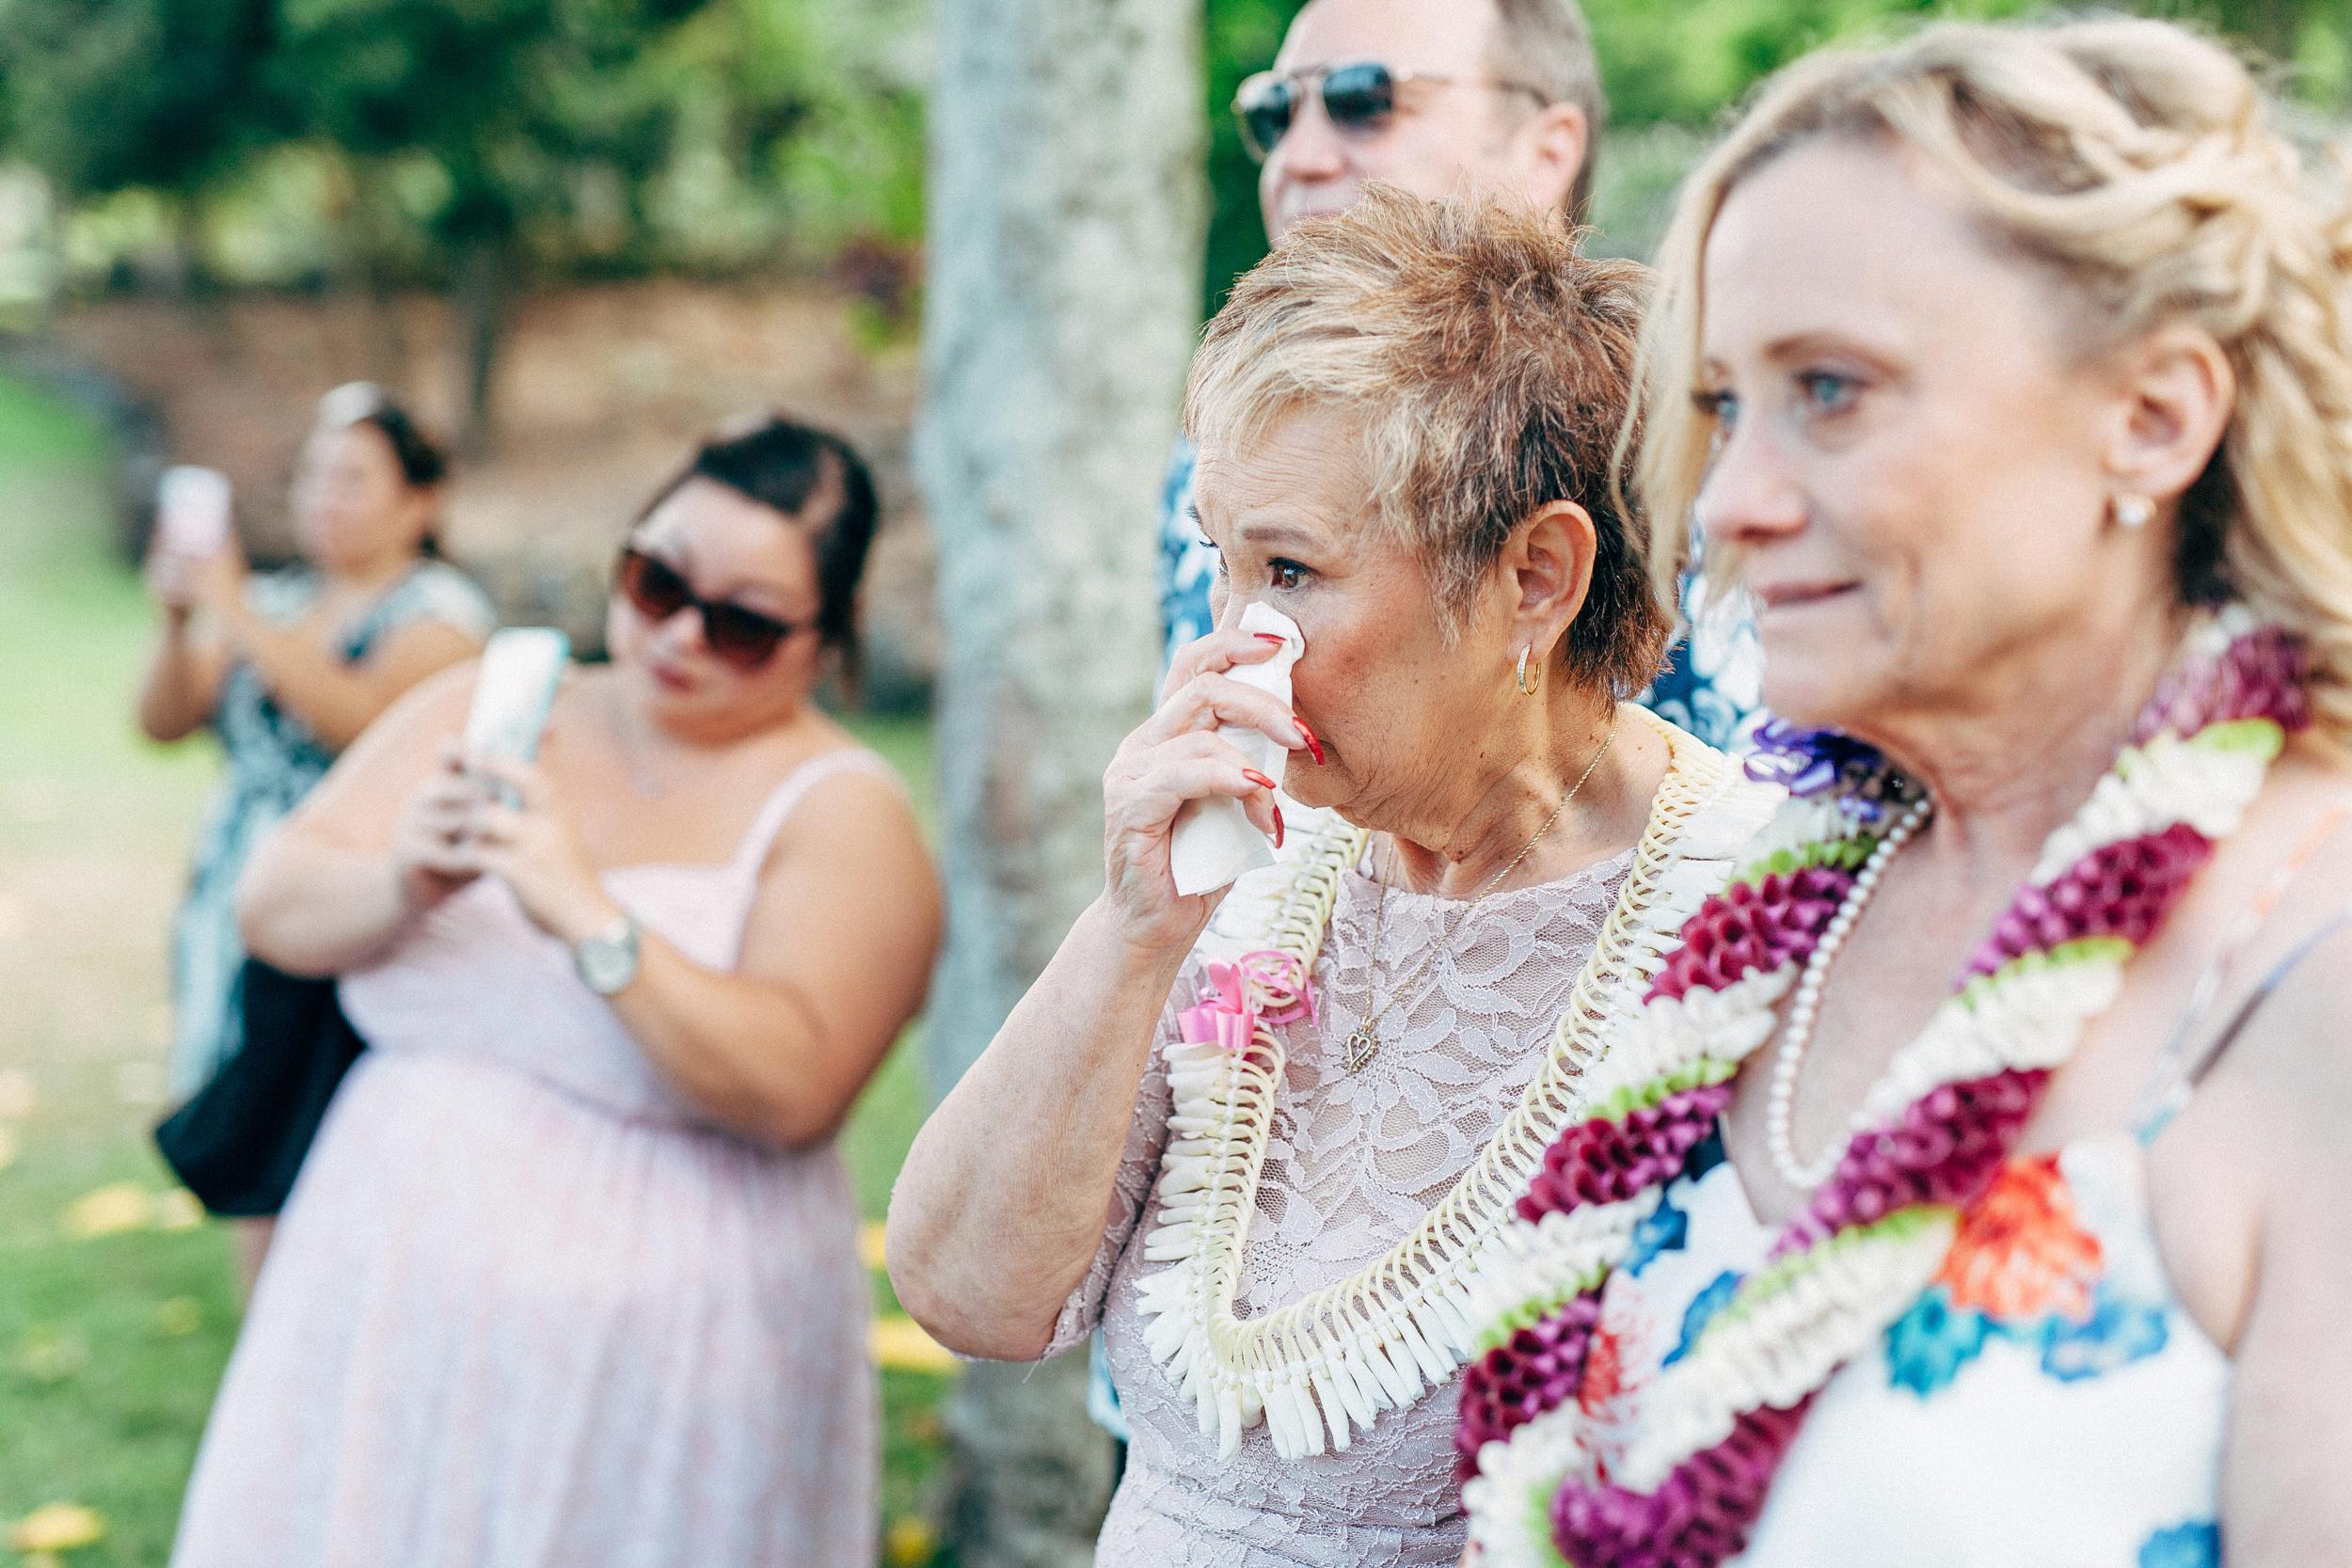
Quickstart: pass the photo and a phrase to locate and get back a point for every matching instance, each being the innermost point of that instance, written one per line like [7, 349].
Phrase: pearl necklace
[1805, 1010]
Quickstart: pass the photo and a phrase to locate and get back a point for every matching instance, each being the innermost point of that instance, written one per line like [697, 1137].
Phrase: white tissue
[1214, 842]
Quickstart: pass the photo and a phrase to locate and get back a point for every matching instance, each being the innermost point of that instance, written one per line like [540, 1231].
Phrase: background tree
[1063, 290]
[474, 148]
[104, 96]
[508, 103]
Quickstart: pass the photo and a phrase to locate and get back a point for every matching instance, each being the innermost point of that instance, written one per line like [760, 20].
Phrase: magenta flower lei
[1936, 1140]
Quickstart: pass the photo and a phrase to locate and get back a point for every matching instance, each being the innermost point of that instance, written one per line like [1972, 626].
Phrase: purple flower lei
[1945, 1149]
[1810, 764]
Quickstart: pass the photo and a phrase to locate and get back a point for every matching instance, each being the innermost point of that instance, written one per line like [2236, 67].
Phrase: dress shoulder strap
[2177, 1077]
[795, 788]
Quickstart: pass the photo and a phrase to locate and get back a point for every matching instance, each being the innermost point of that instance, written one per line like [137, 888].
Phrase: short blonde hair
[1488, 367]
[2143, 166]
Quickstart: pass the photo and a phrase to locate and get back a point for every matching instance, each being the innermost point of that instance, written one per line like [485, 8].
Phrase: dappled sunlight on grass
[58, 1528]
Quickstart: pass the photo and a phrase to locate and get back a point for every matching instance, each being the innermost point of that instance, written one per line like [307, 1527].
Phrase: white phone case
[521, 670]
[192, 512]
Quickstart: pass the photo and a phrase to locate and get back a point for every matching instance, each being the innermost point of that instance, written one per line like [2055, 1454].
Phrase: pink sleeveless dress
[527, 1308]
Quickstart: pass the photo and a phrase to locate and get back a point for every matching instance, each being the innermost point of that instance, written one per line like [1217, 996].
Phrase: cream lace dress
[1352, 1165]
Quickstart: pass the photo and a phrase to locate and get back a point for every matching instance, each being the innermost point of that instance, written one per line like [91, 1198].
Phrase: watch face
[607, 965]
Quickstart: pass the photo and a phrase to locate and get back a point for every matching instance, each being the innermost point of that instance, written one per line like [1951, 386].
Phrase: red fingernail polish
[1314, 747]
[1275, 638]
[1278, 827]
[1257, 778]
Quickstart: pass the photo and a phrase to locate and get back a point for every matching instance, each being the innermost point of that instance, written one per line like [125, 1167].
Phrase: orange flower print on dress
[1622, 1360]
[1604, 1371]
[2020, 1251]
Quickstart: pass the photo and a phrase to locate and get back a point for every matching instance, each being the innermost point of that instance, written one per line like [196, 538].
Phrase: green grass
[103, 1387]
[37, 429]
[110, 1346]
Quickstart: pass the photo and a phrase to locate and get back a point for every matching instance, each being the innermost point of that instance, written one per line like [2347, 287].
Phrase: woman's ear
[1550, 563]
[2178, 394]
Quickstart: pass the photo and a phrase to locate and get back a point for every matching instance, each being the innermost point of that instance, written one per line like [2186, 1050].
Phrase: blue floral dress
[2045, 1403]
[274, 761]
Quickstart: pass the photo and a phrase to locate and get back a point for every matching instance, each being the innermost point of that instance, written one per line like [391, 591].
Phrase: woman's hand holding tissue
[1216, 731]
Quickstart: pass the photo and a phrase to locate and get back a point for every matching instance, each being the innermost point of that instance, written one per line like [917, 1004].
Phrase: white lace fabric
[1353, 1164]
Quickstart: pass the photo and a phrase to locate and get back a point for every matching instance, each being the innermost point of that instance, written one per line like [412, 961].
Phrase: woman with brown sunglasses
[571, 1276]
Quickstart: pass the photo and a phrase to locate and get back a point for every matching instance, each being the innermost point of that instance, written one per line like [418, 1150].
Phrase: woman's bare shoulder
[2291, 1060]
[2272, 1044]
[851, 802]
[2301, 959]
[363, 793]
[2311, 924]
[2301, 1016]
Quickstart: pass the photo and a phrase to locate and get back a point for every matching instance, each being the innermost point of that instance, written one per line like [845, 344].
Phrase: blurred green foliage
[1670, 70]
[1242, 36]
[468, 144]
[586, 133]
[629, 135]
[1683, 63]
[105, 95]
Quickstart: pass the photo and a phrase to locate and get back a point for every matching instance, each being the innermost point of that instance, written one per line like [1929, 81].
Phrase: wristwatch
[606, 961]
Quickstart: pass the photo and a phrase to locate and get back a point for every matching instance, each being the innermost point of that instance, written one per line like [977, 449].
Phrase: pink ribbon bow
[1265, 987]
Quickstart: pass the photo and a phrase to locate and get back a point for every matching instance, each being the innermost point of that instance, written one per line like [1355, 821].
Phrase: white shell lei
[1325, 1366]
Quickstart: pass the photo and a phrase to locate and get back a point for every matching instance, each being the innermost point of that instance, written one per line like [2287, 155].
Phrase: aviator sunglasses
[1360, 99]
[741, 639]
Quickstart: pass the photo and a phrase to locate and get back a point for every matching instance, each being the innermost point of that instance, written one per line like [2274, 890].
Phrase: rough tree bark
[1067, 206]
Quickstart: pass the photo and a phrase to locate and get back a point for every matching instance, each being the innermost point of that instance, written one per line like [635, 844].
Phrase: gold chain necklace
[1363, 1041]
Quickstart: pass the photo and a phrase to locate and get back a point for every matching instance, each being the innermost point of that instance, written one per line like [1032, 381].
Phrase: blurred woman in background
[571, 1276]
[288, 666]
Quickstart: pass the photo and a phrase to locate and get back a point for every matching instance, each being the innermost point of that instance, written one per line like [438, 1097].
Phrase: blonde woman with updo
[1970, 1191]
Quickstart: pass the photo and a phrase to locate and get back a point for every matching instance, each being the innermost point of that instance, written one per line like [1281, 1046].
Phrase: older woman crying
[1405, 419]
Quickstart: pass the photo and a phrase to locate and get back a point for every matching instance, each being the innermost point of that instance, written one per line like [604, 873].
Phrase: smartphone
[521, 670]
[192, 512]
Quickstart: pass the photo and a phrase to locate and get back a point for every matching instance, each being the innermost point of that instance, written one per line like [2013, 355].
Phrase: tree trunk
[366, 214]
[481, 310]
[1067, 206]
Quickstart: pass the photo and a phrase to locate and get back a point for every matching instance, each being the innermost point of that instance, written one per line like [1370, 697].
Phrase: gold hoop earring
[1525, 690]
